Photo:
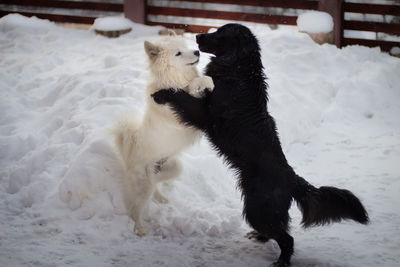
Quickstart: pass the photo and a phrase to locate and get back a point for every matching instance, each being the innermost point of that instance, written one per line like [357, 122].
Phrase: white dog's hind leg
[139, 208]
[142, 190]
[136, 215]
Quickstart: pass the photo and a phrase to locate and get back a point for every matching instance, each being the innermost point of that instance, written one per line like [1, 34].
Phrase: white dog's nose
[196, 53]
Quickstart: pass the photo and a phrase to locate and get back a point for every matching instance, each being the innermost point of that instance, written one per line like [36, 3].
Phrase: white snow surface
[337, 112]
[315, 22]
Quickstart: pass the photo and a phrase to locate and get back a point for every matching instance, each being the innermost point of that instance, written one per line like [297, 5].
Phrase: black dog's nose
[196, 53]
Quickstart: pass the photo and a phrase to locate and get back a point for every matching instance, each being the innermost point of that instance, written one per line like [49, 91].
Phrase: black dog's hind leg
[191, 110]
[285, 242]
[267, 212]
[257, 236]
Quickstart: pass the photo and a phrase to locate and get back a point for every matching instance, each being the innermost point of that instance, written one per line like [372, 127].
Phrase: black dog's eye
[178, 54]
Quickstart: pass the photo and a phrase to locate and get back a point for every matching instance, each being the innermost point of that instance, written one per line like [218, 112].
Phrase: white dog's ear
[152, 50]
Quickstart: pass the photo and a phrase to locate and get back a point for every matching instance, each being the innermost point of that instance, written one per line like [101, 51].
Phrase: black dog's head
[231, 39]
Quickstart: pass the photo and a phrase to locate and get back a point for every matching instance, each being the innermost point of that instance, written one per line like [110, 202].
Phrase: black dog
[236, 120]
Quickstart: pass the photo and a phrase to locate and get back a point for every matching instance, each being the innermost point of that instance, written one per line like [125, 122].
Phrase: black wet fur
[236, 120]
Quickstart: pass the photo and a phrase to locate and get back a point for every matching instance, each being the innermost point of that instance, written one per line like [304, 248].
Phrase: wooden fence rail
[372, 9]
[296, 4]
[67, 4]
[63, 7]
[153, 10]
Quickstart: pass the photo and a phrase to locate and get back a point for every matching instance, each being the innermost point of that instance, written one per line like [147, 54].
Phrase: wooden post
[335, 9]
[135, 10]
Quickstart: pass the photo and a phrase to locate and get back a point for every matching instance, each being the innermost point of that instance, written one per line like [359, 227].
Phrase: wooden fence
[61, 11]
[370, 26]
[152, 10]
[147, 11]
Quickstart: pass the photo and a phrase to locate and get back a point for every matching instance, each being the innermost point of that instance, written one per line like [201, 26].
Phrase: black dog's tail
[326, 204]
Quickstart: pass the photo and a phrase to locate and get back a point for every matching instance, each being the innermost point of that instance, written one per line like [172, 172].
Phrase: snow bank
[60, 179]
[18, 24]
[395, 51]
[315, 22]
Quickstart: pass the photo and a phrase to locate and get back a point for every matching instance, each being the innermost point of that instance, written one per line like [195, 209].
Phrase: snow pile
[315, 22]
[17, 23]
[395, 51]
[121, 24]
[112, 24]
[60, 179]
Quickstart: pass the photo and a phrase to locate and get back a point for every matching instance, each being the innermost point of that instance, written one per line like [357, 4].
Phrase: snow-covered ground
[338, 116]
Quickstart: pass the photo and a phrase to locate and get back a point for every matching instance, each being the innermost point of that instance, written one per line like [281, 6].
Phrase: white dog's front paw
[199, 84]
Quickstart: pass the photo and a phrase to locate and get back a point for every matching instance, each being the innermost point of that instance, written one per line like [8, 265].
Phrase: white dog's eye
[178, 54]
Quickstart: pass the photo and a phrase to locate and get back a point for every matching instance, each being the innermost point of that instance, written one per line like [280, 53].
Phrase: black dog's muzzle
[205, 41]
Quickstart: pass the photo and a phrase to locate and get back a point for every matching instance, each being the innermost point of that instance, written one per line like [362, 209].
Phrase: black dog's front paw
[162, 96]
[207, 91]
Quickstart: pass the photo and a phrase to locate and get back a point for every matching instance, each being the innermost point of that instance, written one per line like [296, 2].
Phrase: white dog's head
[171, 57]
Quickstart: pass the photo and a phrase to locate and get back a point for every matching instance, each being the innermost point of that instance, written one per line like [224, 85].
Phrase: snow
[337, 113]
[16, 22]
[112, 24]
[395, 50]
[315, 22]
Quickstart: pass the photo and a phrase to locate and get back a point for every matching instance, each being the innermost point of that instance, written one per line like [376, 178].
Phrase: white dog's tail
[125, 133]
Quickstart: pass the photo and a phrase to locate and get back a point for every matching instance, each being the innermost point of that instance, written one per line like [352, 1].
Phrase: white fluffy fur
[149, 147]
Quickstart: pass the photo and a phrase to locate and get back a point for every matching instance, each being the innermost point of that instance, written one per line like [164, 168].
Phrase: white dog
[149, 147]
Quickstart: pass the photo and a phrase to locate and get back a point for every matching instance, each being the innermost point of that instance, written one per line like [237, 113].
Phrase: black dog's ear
[242, 45]
[152, 50]
[249, 44]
